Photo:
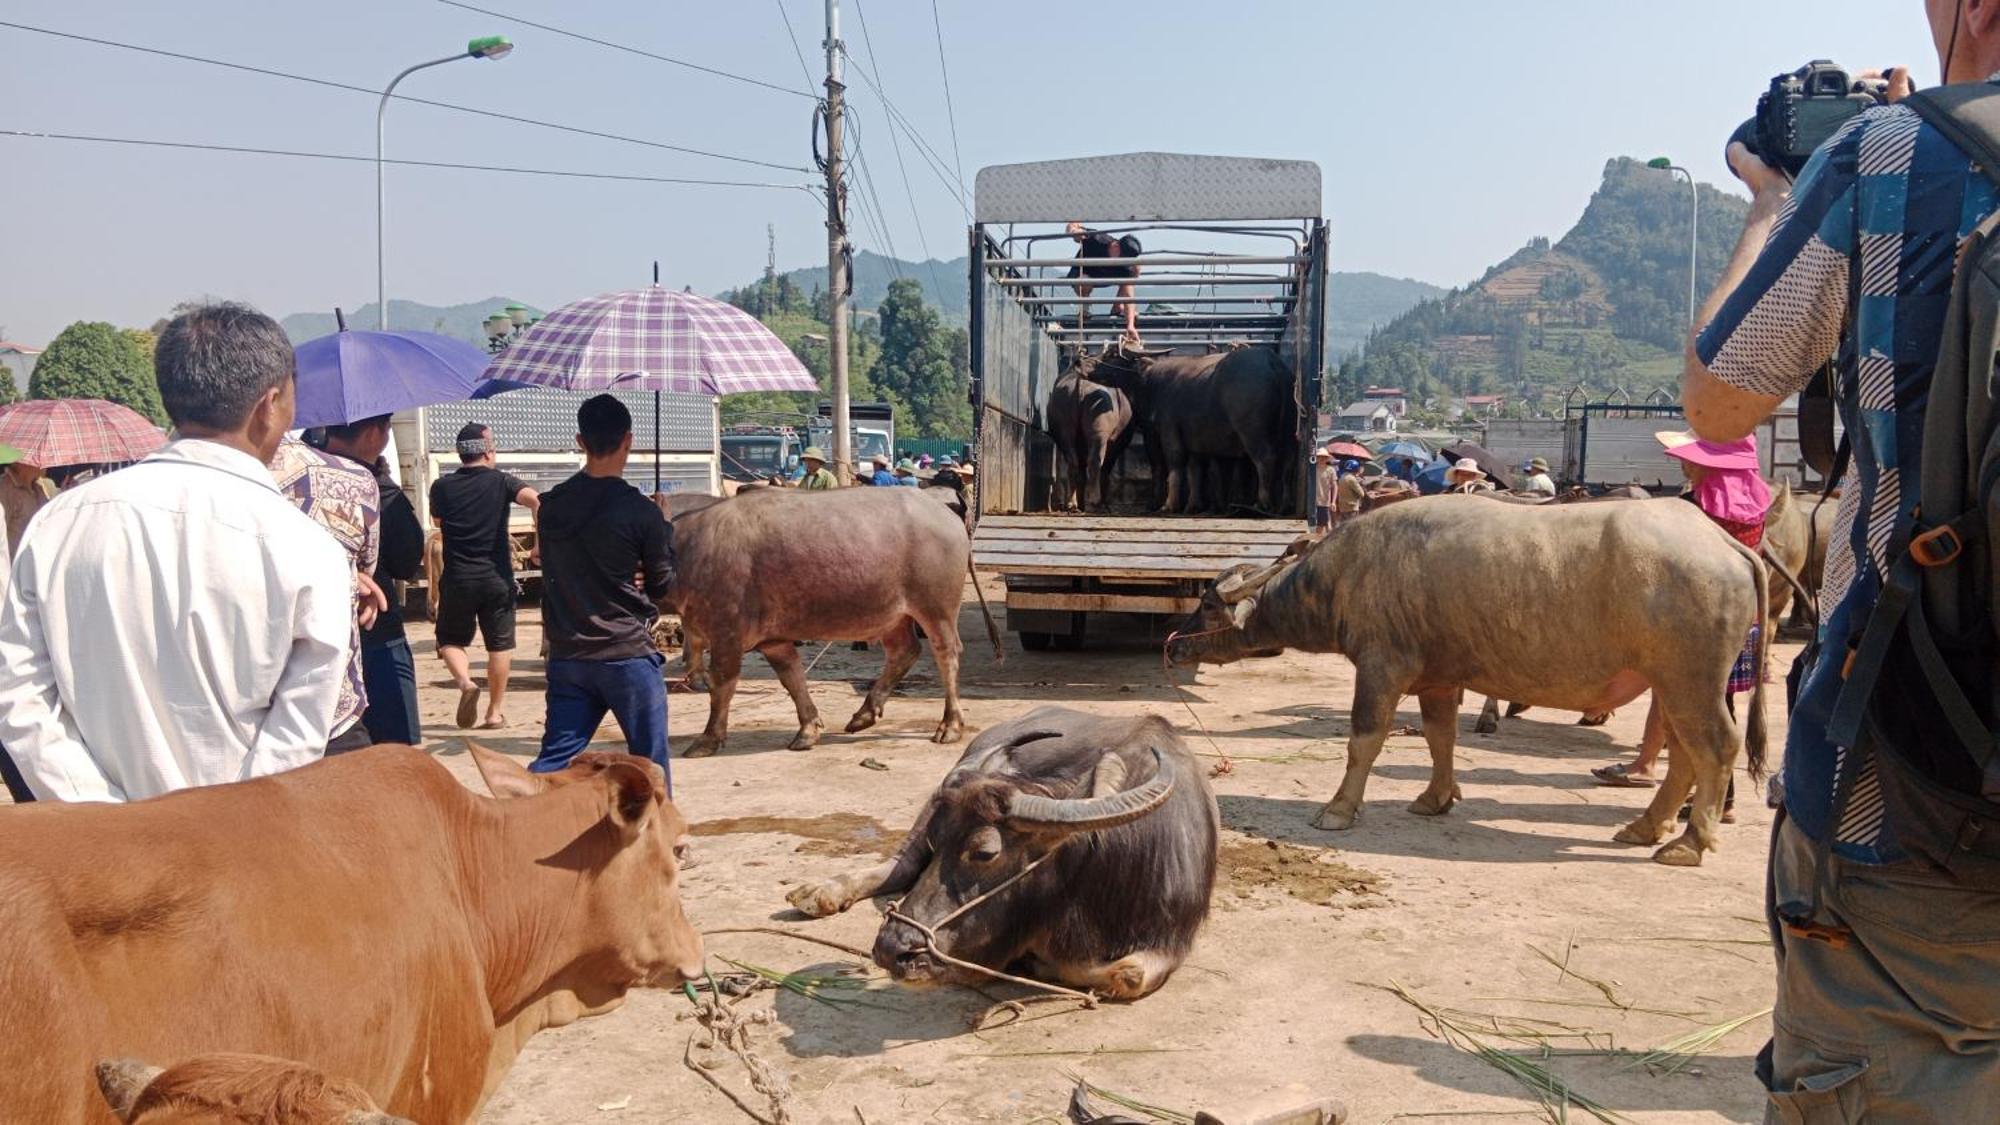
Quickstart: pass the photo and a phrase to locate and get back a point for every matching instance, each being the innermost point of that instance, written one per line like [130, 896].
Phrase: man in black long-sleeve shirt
[386, 664]
[607, 557]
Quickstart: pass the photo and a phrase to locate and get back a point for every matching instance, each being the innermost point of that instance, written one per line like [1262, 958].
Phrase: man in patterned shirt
[1887, 996]
[341, 497]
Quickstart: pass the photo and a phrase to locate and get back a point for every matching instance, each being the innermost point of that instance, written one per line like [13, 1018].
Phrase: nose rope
[895, 913]
[1167, 670]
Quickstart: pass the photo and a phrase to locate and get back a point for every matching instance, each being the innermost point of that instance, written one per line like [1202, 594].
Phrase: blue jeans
[581, 691]
[391, 676]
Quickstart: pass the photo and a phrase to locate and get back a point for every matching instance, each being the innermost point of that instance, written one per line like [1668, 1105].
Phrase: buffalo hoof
[862, 720]
[949, 731]
[1515, 710]
[1428, 804]
[1642, 832]
[1597, 720]
[808, 736]
[1485, 724]
[702, 747]
[1334, 819]
[1680, 853]
[816, 901]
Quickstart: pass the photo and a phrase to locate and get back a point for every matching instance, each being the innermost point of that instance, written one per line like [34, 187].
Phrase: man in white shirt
[180, 622]
[1537, 481]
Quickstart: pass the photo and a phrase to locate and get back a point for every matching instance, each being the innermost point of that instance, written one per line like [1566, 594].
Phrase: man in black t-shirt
[1096, 245]
[471, 506]
[607, 559]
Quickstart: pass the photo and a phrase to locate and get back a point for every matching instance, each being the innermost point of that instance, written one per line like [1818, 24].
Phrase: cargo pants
[1902, 1024]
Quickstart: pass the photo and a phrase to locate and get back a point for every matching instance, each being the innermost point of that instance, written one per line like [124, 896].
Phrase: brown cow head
[232, 1089]
[633, 858]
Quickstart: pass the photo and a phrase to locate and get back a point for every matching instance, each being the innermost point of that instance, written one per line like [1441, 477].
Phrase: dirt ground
[1477, 911]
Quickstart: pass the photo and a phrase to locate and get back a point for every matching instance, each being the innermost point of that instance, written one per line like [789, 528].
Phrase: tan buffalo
[232, 1089]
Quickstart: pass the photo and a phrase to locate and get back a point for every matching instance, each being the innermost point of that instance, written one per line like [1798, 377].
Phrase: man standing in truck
[1096, 245]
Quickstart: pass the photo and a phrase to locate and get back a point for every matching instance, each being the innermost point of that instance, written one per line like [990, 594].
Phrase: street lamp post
[1694, 224]
[488, 47]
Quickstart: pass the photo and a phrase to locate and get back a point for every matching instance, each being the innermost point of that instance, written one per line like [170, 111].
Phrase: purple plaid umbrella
[652, 339]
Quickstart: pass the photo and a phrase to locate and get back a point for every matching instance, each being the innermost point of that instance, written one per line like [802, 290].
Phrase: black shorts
[487, 602]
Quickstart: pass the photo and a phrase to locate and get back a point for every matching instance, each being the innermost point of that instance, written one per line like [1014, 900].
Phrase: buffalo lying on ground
[1108, 826]
[1205, 410]
[771, 565]
[223, 1088]
[1092, 426]
[1535, 604]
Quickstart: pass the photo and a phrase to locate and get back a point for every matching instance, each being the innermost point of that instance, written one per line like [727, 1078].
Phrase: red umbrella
[1349, 449]
[78, 431]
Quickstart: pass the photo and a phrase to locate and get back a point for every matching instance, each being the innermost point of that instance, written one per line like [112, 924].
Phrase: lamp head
[489, 47]
[1660, 162]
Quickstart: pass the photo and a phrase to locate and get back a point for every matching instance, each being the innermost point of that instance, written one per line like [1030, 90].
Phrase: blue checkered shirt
[1876, 218]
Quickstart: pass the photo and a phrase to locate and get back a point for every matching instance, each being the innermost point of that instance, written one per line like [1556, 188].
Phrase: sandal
[468, 707]
[1620, 776]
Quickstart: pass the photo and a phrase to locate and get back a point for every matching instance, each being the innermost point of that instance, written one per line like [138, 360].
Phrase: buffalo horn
[1089, 814]
[1236, 587]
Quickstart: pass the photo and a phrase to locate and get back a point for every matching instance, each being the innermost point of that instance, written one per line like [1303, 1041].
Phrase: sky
[1449, 132]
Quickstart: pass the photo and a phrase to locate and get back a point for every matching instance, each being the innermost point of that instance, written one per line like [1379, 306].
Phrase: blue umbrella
[1408, 450]
[1431, 481]
[348, 376]
[493, 387]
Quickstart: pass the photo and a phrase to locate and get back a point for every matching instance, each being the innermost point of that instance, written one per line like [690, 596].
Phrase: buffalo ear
[1241, 611]
[505, 778]
[121, 1081]
[629, 798]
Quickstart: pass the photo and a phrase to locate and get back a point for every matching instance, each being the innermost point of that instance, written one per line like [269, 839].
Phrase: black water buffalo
[1206, 409]
[1118, 825]
[1092, 425]
[771, 565]
[1536, 604]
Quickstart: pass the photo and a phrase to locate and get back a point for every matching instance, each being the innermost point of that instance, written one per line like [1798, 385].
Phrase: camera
[1802, 109]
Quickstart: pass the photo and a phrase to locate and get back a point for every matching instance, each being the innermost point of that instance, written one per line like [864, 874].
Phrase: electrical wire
[929, 262]
[924, 149]
[951, 114]
[868, 196]
[626, 48]
[257, 151]
[373, 93]
[804, 70]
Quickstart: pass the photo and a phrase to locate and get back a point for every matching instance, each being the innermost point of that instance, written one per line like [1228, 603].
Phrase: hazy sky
[1449, 132]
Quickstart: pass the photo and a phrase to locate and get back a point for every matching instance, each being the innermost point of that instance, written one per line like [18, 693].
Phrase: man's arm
[656, 552]
[300, 719]
[34, 727]
[402, 538]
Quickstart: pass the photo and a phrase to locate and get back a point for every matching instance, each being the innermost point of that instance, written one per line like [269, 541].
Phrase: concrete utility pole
[836, 250]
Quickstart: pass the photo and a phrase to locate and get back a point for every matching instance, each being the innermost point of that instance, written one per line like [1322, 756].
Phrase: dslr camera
[1804, 108]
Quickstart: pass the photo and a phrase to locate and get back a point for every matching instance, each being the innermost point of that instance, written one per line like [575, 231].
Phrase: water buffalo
[770, 565]
[1455, 592]
[1110, 829]
[1205, 409]
[1092, 425]
[1795, 535]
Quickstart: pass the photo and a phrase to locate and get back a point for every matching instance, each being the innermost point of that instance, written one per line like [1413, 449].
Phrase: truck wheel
[1036, 642]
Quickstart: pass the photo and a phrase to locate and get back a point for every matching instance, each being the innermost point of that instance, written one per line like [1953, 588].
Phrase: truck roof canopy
[1147, 187]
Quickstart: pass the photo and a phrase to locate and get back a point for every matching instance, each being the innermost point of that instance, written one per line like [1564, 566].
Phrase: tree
[923, 364]
[91, 359]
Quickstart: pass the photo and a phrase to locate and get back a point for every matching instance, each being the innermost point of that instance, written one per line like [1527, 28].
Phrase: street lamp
[1694, 224]
[486, 47]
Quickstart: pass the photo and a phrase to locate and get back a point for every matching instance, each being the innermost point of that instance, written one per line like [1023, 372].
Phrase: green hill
[1604, 308]
[462, 321]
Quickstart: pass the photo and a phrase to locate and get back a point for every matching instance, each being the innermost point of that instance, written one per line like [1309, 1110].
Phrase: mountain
[1359, 303]
[463, 321]
[1604, 308]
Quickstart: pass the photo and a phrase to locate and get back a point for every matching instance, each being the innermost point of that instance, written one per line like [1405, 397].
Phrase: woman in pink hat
[1725, 482]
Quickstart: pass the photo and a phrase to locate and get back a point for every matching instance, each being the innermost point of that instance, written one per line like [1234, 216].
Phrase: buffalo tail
[992, 630]
[1754, 734]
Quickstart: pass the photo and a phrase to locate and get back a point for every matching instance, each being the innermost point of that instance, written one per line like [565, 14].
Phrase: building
[1392, 397]
[19, 360]
[1366, 417]
[1481, 406]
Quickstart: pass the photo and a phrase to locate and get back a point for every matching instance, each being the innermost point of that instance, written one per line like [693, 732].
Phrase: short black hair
[214, 362]
[472, 441]
[351, 431]
[601, 423]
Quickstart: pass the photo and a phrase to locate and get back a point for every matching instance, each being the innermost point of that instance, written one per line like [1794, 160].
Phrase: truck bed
[1127, 547]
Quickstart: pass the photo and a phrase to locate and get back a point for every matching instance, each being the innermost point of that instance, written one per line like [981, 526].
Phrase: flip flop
[468, 707]
[1620, 776]
[493, 724]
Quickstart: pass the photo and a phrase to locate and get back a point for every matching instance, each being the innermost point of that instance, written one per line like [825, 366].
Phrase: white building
[1367, 416]
[19, 360]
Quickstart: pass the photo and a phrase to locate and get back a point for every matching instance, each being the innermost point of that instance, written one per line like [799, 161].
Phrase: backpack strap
[1968, 115]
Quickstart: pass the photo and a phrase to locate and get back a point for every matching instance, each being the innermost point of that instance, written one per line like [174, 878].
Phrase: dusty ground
[1287, 982]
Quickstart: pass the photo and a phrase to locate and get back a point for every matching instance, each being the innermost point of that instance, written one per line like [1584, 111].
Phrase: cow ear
[630, 798]
[122, 1081]
[505, 778]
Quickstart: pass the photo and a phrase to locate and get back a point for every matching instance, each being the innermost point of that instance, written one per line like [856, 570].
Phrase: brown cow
[366, 915]
[230, 1089]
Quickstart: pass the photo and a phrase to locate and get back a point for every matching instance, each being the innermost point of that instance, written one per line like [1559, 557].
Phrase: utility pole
[836, 251]
[770, 268]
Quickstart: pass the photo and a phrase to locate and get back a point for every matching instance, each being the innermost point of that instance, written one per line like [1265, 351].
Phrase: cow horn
[1090, 814]
[1236, 587]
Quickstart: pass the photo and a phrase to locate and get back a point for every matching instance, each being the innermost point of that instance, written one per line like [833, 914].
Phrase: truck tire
[1035, 642]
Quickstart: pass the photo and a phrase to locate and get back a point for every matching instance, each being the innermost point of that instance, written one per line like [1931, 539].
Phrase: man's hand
[369, 600]
[1769, 187]
[1076, 231]
[1901, 85]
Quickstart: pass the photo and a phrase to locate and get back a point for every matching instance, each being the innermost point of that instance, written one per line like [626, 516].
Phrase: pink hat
[1738, 454]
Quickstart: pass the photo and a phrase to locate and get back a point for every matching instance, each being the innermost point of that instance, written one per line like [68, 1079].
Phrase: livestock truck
[1610, 443]
[1233, 252]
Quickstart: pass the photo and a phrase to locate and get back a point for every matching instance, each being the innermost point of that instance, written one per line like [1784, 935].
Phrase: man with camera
[1887, 927]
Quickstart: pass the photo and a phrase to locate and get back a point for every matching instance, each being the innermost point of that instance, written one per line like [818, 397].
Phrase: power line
[951, 114]
[627, 49]
[373, 93]
[256, 151]
[924, 149]
[894, 144]
[804, 70]
[868, 195]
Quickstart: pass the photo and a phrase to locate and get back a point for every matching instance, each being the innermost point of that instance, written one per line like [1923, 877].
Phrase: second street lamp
[1694, 225]
[485, 47]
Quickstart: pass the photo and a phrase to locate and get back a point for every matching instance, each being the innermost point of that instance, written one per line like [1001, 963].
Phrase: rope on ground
[729, 1030]
[1225, 765]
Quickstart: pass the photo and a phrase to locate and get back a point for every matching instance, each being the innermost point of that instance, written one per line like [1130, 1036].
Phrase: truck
[1609, 443]
[872, 426]
[674, 447]
[752, 452]
[1239, 247]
